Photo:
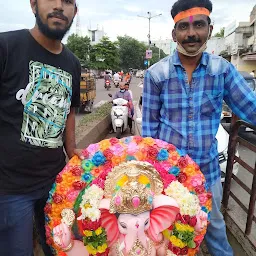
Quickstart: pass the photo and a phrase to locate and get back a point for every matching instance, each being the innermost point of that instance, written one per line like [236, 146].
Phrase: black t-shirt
[37, 89]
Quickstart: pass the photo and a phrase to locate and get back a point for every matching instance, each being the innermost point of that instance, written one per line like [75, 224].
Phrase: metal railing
[233, 141]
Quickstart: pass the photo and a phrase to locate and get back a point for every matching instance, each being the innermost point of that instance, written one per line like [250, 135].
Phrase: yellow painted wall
[243, 65]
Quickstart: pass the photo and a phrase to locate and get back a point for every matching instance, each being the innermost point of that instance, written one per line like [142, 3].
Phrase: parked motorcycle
[107, 85]
[119, 116]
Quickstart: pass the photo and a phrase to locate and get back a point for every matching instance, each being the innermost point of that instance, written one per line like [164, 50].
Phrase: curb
[96, 133]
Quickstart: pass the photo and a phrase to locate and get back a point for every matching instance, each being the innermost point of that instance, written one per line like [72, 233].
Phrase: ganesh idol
[128, 217]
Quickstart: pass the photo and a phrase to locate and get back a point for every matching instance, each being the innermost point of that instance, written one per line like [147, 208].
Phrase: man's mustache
[58, 15]
[191, 40]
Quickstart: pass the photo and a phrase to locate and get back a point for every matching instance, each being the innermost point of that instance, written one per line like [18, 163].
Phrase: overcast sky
[119, 17]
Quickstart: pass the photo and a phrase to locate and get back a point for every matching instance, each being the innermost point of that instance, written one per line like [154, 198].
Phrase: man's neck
[53, 46]
[190, 61]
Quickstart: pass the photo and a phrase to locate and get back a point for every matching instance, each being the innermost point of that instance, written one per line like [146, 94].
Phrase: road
[102, 93]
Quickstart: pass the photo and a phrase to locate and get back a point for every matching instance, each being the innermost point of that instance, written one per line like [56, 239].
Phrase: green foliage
[104, 55]
[131, 52]
[100, 113]
[80, 46]
[221, 33]
[155, 55]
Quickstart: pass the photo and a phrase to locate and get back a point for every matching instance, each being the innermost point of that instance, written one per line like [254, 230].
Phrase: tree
[221, 33]
[131, 52]
[80, 46]
[155, 55]
[104, 55]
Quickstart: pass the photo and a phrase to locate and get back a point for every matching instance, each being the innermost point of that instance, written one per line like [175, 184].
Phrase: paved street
[102, 93]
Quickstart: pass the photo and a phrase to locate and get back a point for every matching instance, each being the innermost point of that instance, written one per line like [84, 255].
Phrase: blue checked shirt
[188, 116]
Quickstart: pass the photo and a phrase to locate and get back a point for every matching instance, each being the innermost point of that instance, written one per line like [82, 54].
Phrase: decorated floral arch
[82, 184]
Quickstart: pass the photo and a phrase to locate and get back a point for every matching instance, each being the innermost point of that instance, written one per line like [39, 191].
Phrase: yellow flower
[183, 227]
[166, 234]
[102, 248]
[88, 233]
[98, 231]
[91, 249]
[122, 181]
[177, 242]
[86, 206]
[143, 179]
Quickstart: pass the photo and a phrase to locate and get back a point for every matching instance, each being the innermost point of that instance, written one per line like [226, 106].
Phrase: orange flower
[149, 141]
[190, 170]
[116, 160]
[105, 144]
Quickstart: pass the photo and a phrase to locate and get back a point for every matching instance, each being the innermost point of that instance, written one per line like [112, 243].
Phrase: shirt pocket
[211, 104]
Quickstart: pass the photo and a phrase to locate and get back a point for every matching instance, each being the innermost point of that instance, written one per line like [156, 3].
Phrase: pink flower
[168, 179]
[166, 165]
[161, 144]
[72, 195]
[117, 149]
[93, 148]
[99, 182]
[132, 148]
[203, 198]
[196, 180]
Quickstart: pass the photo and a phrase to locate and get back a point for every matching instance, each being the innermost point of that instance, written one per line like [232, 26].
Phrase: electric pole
[149, 17]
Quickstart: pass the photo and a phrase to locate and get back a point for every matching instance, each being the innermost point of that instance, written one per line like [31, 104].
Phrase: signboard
[145, 63]
[234, 49]
[148, 54]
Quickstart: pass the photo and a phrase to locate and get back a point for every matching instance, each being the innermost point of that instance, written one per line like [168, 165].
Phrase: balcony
[252, 40]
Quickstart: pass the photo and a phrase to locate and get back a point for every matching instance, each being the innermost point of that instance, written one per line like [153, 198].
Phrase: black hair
[183, 5]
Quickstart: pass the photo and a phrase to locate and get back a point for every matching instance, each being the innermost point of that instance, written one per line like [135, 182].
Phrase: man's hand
[78, 152]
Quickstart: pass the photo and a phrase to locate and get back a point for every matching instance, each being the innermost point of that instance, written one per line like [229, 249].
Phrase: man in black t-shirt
[39, 90]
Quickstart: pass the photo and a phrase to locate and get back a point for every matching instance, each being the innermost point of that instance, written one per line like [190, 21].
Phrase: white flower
[189, 204]
[93, 214]
[92, 197]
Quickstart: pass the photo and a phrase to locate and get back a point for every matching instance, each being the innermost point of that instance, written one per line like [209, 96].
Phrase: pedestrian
[39, 90]
[182, 103]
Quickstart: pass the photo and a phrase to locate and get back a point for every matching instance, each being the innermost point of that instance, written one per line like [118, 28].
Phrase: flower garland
[80, 186]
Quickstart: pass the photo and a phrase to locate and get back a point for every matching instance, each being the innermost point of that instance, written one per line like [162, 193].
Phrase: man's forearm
[70, 140]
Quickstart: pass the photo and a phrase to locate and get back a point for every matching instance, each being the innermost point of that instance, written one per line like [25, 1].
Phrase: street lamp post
[149, 17]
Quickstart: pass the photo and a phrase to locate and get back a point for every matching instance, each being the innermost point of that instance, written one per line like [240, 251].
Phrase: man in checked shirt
[182, 103]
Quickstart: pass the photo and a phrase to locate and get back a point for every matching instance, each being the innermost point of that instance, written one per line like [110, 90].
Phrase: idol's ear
[109, 222]
[165, 210]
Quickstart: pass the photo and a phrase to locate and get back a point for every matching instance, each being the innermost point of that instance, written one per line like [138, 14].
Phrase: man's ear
[76, 9]
[174, 35]
[33, 6]
[210, 33]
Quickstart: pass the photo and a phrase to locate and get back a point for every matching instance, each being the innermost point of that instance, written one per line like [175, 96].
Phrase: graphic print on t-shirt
[46, 100]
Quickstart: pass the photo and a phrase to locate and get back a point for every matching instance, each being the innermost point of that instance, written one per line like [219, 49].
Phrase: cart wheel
[118, 132]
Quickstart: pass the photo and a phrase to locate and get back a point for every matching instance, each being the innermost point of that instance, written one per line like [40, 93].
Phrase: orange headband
[191, 12]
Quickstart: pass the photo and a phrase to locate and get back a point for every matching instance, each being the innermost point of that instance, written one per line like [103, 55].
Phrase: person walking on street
[39, 90]
[182, 103]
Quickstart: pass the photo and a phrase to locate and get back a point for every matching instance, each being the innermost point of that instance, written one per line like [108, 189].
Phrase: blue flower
[162, 155]
[130, 158]
[204, 209]
[209, 216]
[87, 177]
[175, 171]
[98, 159]
[181, 152]
[150, 200]
[127, 140]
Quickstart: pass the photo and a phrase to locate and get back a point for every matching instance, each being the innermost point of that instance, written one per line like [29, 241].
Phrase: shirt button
[190, 116]
[190, 98]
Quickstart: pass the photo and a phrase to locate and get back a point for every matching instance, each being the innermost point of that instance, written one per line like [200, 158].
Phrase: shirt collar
[176, 59]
